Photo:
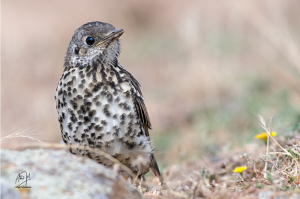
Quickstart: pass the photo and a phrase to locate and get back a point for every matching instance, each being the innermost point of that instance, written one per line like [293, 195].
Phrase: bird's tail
[154, 168]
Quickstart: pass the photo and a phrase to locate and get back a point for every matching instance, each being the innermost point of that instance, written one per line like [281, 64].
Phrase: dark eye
[90, 40]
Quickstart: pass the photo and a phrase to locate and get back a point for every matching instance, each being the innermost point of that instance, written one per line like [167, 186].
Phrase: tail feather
[154, 168]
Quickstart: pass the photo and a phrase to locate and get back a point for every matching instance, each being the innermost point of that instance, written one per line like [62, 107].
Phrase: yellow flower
[264, 136]
[240, 169]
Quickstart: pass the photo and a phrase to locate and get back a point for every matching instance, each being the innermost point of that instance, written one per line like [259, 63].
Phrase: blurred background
[207, 68]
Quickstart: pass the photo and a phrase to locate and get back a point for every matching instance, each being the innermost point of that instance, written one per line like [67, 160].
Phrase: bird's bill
[111, 37]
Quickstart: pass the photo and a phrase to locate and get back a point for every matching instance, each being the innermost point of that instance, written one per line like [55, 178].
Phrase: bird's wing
[144, 117]
[140, 103]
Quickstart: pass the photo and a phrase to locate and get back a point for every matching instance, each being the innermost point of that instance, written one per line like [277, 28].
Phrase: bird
[100, 104]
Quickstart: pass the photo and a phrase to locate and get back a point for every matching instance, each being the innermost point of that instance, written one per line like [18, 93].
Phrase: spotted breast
[100, 104]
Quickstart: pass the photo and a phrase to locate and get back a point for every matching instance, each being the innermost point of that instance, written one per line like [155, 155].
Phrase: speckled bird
[100, 104]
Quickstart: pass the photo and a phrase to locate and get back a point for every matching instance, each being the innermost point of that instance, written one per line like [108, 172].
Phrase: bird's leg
[141, 178]
[137, 177]
[143, 186]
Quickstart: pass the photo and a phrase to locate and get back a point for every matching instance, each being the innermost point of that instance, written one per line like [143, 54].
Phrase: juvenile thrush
[100, 104]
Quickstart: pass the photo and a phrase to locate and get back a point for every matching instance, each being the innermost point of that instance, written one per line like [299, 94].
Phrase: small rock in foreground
[59, 174]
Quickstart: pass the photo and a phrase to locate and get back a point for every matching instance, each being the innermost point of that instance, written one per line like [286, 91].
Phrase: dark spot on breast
[117, 99]
[99, 137]
[103, 93]
[91, 126]
[79, 97]
[130, 145]
[88, 94]
[87, 69]
[97, 87]
[107, 145]
[112, 84]
[88, 74]
[96, 98]
[70, 126]
[109, 97]
[130, 115]
[98, 128]
[70, 83]
[91, 143]
[127, 94]
[106, 111]
[66, 75]
[73, 119]
[103, 122]
[86, 119]
[74, 104]
[92, 113]
[81, 74]
[122, 117]
[115, 92]
[116, 133]
[83, 109]
[94, 77]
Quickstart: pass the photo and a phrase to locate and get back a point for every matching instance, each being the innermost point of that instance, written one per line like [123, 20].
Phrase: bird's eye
[90, 40]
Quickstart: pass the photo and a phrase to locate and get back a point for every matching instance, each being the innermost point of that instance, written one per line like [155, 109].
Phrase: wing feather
[145, 119]
[140, 103]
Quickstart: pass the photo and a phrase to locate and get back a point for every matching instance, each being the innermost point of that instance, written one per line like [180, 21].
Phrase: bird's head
[93, 41]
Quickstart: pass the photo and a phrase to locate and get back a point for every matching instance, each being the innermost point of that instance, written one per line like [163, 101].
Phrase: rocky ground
[59, 174]
[52, 172]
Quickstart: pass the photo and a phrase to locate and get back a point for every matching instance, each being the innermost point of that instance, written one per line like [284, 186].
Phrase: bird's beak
[111, 37]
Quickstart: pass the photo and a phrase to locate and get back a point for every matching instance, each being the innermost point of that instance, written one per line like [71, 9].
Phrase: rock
[59, 174]
[8, 192]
